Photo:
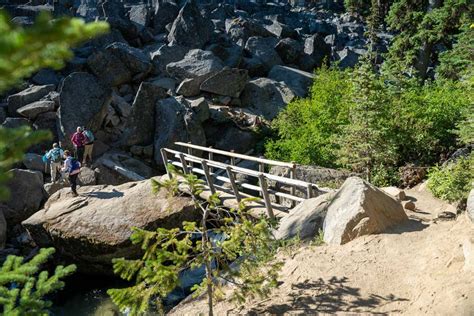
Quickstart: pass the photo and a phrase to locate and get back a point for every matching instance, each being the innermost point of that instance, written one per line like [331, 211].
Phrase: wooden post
[232, 159]
[183, 162]
[293, 176]
[208, 176]
[164, 156]
[190, 152]
[266, 197]
[230, 174]
[261, 166]
[211, 158]
[309, 191]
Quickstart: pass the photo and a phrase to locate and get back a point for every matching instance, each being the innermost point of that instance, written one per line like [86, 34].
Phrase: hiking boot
[74, 194]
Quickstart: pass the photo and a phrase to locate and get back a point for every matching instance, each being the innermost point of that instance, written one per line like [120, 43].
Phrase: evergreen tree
[362, 143]
[22, 288]
[421, 26]
[248, 242]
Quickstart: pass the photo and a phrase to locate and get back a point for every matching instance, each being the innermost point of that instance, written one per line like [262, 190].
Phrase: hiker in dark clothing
[73, 167]
[78, 139]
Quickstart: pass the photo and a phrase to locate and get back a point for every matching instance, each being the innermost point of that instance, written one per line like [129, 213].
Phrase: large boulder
[34, 109]
[229, 53]
[349, 57]
[167, 54]
[240, 29]
[119, 63]
[263, 48]
[27, 96]
[95, 227]
[175, 122]
[227, 82]
[316, 47]
[118, 168]
[34, 162]
[359, 209]
[165, 12]
[266, 97]
[140, 125]
[289, 50]
[470, 205]
[196, 63]
[306, 219]
[83, 102]
[298, 81]
[190, 28]
[26, 195]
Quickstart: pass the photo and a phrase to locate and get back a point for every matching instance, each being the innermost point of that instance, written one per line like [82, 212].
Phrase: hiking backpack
[56, 155]
[75, 165]
[89, 135]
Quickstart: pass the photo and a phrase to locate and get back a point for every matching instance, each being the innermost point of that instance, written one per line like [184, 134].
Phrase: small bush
[453, 182]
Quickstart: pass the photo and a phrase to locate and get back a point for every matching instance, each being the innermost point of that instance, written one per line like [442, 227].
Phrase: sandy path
[414, 269]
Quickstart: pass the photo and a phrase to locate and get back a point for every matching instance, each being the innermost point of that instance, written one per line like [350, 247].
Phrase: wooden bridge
[226, 171]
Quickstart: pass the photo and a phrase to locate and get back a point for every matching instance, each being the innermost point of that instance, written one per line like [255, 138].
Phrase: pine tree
[421, 26]
[362, 143]
[23, 287]
[248, 242]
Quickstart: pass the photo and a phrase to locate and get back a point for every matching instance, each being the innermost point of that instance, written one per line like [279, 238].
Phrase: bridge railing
[216, 172]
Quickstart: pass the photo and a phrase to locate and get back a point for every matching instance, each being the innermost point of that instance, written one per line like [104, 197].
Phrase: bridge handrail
[236, 155]
[244, 171]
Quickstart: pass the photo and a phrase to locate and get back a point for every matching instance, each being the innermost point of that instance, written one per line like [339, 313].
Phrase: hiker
[73, 167]
[78, 140]
[89, 145]
[54, 157]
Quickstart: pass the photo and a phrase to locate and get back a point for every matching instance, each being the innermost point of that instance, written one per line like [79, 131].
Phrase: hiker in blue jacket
[73, 167]
[54, 156]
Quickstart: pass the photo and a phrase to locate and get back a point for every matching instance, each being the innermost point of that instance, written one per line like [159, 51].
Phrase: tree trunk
[426, 50]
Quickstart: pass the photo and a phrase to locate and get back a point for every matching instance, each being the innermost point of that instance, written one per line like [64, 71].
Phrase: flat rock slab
[95, 227]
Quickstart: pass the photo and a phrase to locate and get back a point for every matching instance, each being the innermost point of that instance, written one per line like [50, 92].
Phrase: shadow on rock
[105, 195]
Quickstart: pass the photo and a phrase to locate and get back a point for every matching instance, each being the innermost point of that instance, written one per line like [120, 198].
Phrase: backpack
[75, 165]
[89, 135]
[56, 155]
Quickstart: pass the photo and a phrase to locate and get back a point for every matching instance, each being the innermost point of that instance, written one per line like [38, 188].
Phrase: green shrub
[453, 182]
[307, 127]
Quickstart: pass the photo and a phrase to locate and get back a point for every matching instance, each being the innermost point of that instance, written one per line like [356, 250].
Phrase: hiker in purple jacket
[73, 167]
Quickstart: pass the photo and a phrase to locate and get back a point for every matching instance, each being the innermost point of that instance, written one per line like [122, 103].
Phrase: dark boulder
[34, 109]
[164, 13]
[298, 81]
[289, 50]
[316, 47]
[26, 195]
[27, 96]
[190, 28]
[140, 125]
[266, 97]
[83, 102]
[228, 82]
[263, 48]
[175, 122]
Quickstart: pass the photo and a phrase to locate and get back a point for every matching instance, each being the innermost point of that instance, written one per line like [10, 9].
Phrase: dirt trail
[414, 269]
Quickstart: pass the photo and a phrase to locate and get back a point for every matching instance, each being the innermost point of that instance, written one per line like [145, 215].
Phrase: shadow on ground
[332, 296]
